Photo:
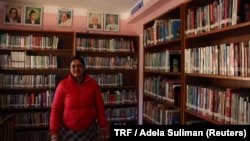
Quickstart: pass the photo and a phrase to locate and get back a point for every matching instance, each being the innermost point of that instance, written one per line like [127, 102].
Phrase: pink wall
[79, 25]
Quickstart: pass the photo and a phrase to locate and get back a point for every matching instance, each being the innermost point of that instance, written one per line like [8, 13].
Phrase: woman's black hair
[67, 14]
[15, 10]
[79, 59]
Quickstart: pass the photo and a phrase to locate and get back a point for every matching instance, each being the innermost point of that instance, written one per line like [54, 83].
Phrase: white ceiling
[118, 6]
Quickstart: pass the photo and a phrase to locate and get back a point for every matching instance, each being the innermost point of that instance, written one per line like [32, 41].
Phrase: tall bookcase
[31, 65]
[113, 61]
[216, 48]
[162, 75]
[214, 72]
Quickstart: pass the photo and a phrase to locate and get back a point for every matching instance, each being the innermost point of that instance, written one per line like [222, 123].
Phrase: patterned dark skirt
[90, 134]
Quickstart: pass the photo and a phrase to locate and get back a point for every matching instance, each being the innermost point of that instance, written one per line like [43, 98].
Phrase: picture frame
[94, 20]
[12, 13]
[33, 15]
[112, 22]
[65, 17]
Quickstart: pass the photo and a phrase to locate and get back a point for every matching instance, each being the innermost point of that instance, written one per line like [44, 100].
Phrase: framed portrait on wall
[95, 20]
[12, 13]
[111, 21]
[33, 15]
[65, 17]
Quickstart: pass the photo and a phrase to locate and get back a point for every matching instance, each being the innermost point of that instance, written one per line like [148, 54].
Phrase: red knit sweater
[77, 106]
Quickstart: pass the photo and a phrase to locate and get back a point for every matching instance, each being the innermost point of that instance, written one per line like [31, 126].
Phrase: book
[160, 31]
[169, 86]
[175, 61]
[175, 28]
[172, 116]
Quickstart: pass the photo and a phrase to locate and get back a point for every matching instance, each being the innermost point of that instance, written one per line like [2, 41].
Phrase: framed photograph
[95, 21]
[12, 13]
[111, 21]
[65, 17]
[33, 15]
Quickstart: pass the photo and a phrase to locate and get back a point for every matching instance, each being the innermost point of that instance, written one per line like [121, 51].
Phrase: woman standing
[78, 107]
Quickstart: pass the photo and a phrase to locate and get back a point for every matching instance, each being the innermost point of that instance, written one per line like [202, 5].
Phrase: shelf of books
[31, 65]
[217, 81]
[162, 69]
[113, 61]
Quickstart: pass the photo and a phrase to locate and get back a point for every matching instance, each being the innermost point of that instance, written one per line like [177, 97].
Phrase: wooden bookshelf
[32, 64]
[214, 63]
[218, 65]
[162, 44]
[113, 61]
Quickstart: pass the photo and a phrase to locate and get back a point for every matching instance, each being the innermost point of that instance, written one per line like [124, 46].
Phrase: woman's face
[64, 17]
[13, 13]
[76, 68]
